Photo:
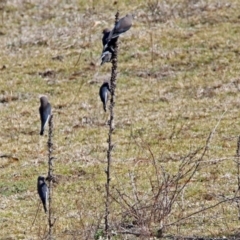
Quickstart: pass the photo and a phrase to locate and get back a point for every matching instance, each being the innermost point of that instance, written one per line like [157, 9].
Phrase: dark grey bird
[106, 53]
[45, 112]
[42, 191]
[103, 93]
[123, 25]
[108, 47]
[106, 56]
[105, 32]
[106, 43]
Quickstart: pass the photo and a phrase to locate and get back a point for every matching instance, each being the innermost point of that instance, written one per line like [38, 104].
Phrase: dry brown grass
[178, 74]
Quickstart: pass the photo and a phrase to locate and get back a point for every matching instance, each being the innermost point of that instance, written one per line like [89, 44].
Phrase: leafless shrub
[146, 210]
[141, 212]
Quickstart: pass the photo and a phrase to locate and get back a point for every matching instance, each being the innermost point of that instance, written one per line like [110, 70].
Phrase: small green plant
[100, 233]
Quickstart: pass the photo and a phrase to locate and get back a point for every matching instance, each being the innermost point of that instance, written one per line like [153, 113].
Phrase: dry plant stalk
[111, 129]
[238, 175]
[50, 177]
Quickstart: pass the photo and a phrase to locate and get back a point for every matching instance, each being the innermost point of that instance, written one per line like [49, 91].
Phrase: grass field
[178, 83]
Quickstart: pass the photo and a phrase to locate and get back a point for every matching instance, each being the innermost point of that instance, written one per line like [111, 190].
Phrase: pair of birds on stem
[110, 37]
[45, 114]
[108, 40]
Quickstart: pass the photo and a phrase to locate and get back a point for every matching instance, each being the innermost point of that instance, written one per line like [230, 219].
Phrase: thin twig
[202, 210]
[211, 135]
[80, 54]
[35, 216]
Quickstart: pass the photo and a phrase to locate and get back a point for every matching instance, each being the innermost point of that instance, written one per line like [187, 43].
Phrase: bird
[103, 93]
[106, 56]
[42, 191]
[105, 32]
[123, 25]
[45, 112]
[108, 47]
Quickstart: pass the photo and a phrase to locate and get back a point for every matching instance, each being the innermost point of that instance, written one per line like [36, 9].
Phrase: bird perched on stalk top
[45, 112]
[123, 25]
[42, 191]
[110, 37]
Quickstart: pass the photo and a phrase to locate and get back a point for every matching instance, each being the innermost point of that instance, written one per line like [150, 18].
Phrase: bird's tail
[45, 208]
[104, 107]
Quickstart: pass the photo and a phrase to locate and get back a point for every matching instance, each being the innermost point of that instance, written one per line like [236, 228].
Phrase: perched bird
[123, 25]
[103, 93]
[110, 37]
[42, 191]
[45, 112]
[106, 56]
[105, 32]
[107, 51]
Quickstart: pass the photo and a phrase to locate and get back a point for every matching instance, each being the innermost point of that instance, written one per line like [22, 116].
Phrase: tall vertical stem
[50, 176]
[238, 175]
[111, 129]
